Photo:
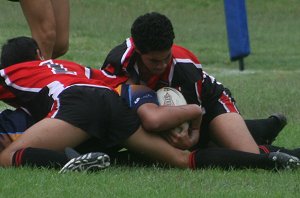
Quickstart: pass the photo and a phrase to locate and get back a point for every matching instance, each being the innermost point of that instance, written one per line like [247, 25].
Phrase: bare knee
[181, 160]
[50, 41]
[6, 158]
[60, 48]
[229, 130]
[48, 37]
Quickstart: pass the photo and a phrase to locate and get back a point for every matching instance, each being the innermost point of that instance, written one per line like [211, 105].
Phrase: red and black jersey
[34, 85]
[184, 72]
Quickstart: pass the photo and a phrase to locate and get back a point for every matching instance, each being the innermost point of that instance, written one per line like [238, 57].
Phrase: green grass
[269, 84]
[149, 182]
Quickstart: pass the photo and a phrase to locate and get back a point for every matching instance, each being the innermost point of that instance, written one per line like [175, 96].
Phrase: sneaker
[87, 162]
[281, 123]
[282, 120]
[284, 161]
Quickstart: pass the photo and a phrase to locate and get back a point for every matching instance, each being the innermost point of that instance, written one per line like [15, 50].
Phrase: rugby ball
[169, 96]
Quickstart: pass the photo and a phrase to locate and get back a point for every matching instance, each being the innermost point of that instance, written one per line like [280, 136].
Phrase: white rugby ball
[172, 97]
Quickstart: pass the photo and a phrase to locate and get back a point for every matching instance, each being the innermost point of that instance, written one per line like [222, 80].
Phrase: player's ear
[39, 54]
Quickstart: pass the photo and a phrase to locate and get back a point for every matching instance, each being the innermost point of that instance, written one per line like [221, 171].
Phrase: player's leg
[41, 21]
[271, 148]
[229, 130]
[226, 126]
[155, 147]
[61, 9]
[52, 134]
[221, 101]
[265, 131]
[228, 159]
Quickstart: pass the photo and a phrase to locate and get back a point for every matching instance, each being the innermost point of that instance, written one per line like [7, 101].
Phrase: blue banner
[237, 29]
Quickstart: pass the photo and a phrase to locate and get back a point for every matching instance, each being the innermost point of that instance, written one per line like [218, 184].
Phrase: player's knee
[182, 159]
[46, 32]
[6, 158]
[60, 48]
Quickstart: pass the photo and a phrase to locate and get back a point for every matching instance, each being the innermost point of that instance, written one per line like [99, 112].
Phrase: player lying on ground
[217, 114]
[60, 91]
[217, 158]
[149, 57]
[81, 108]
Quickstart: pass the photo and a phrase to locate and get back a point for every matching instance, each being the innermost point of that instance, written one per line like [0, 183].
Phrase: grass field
[269, 84]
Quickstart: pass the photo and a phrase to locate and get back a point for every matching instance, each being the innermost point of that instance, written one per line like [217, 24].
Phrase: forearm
[161, 118]
[175, 116]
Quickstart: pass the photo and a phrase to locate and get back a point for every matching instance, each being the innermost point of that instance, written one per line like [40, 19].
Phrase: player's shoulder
[119, 58]
[23, 65]
[180, 52]
[66, 62]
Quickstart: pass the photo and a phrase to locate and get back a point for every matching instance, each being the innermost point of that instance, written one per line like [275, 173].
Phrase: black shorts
[219, 104]
[98, 111]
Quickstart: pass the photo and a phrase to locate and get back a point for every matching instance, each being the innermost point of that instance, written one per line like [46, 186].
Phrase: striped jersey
[35, 85]
[184, 72]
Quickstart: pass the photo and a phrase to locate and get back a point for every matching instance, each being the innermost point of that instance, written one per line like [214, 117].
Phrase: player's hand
[181, 140]
[194, 130]
[188, 137]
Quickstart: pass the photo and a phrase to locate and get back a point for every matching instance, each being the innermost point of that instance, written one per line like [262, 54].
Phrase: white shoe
[87, 162]
[284, 161]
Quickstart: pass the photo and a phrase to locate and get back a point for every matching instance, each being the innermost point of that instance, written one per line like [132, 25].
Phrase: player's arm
[161, 118]
[156, 118]
[188, 137]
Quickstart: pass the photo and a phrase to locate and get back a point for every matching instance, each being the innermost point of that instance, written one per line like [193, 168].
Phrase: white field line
[237, 72]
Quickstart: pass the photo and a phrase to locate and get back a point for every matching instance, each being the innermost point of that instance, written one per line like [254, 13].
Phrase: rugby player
[72, 108]
[150, 57]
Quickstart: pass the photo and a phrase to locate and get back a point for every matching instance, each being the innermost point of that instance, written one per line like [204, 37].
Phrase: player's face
[156, 61]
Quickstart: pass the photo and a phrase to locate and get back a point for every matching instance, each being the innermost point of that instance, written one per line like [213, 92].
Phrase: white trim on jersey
[23, 88]
[89, 85]
[186, 60]
[107, 75]
[129, 45]
[224, 105]
[46, 62]
[211, 78]
[171, 73]
[57, 101]
[87, 72]
[227, 108]
[197, 93]
[9, 83]
[55, 88]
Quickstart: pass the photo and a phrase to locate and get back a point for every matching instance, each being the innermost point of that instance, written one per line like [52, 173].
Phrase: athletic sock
[272, 148]
[227, 159]
[36, 157]
[264, 149]
[264, 131]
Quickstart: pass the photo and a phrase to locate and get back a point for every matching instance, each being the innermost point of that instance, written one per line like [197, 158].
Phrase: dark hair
[17, 50]
[152, 32]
